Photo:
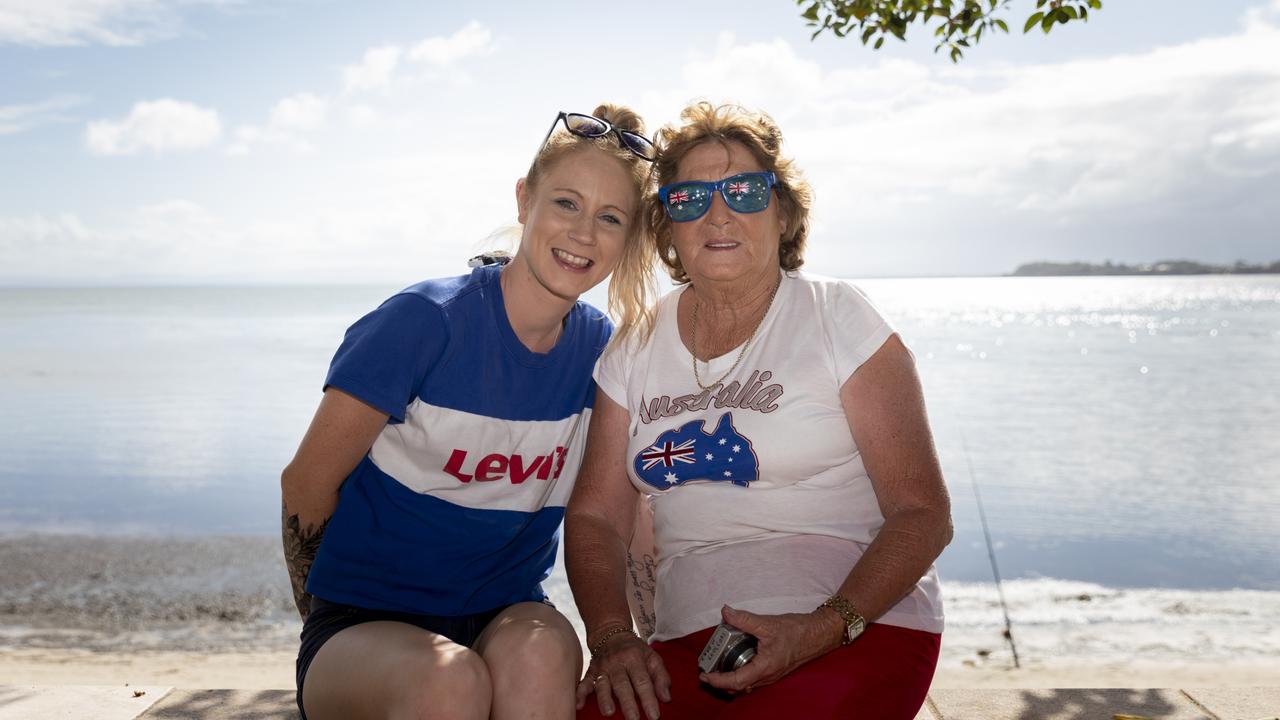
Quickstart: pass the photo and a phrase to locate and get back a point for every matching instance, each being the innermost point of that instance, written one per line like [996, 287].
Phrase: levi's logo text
[516, 468]
[691, 453]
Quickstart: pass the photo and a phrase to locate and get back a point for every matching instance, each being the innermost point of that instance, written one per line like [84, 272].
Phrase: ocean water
[1123, 431]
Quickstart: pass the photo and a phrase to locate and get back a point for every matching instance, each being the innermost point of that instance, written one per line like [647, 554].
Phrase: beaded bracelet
[599, 644]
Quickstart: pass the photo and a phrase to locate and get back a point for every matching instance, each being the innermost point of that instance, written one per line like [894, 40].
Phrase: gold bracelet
[843, 607]
[599, 644]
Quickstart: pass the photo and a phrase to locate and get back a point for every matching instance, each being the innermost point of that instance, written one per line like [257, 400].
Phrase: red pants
[884, 675]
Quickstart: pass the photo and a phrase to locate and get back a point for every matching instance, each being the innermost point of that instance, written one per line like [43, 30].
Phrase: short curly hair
[703, 122]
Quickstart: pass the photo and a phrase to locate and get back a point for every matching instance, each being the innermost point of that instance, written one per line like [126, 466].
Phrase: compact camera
[728, 649]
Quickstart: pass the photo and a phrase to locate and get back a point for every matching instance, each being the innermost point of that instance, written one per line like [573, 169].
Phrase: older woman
[774, 422]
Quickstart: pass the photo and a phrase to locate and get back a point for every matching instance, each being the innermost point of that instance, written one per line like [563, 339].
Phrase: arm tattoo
[642, 583]
[300, 546]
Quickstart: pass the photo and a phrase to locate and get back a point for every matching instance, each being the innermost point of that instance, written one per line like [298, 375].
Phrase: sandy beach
[216, 612]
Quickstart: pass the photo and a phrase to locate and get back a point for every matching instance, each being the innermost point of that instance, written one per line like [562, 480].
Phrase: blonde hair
[632, 285]
[703, 122]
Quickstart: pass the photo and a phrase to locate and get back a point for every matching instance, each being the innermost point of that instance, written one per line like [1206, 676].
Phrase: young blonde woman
[422, 507]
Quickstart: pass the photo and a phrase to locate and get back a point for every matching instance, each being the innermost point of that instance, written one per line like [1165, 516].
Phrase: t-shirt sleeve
[612, 370]
[386, 354]
[855, 328]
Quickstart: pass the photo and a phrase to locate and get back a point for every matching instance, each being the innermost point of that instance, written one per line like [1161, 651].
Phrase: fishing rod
[991, 552]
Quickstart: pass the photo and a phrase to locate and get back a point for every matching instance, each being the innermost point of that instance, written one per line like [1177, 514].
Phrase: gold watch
[854, 623]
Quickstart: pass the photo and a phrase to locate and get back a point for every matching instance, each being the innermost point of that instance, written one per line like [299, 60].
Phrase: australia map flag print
[690, 453]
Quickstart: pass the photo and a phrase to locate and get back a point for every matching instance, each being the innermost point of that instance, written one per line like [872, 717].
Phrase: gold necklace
[693, 340]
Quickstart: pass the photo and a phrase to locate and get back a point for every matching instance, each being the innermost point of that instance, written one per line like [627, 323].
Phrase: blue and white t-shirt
[457, 506]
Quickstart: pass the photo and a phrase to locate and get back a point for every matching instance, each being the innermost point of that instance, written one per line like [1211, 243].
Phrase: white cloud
[382, 67]
[62, 23]
[303, 111]
[163, 125]
[473, 40]
[1262, 14]
[291, 121]
[17, 118]
[906, 149]
[392, 219]
[375, 70]
[361, 116]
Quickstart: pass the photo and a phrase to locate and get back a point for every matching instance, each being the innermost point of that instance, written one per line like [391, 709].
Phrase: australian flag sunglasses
[744, 193]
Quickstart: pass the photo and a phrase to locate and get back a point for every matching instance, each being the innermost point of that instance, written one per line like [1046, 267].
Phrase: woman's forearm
[907, 544]
[300, 546]
[595, 559]
[303, 519]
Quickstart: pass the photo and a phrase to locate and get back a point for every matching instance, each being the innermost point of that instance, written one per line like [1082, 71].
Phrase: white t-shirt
[759, 495]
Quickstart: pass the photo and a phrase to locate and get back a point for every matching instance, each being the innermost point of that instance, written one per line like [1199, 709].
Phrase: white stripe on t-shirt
[482, 462]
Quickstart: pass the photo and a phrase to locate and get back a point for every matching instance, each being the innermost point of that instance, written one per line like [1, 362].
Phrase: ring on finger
[598, 678]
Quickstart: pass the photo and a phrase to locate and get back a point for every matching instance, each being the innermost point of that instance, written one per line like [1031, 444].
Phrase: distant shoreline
[1162, 267]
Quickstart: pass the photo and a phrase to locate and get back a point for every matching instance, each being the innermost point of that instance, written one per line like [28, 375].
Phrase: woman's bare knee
[390, 671]
[530, 636]
[447, 686]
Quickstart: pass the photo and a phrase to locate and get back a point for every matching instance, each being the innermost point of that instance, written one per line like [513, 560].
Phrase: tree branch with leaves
[960, 24]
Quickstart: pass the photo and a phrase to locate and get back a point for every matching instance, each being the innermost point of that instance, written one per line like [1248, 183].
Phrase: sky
[317, 141]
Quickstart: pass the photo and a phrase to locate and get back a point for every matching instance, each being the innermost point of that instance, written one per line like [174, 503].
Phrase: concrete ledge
[1245, 703]
[23, 702]
[1073, 704]
[102, 702]
[225, 705]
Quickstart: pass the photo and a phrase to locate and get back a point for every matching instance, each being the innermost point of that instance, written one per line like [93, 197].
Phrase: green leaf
[1084, 14]
[1049, 19]
[956, 54]
[1032, 21]
[811, 13]
[1066, 13]
[866, 34]
[1095, 4]
[1002, 25]
[879, 42]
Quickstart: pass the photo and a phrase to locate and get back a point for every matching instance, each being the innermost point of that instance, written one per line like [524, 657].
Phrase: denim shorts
[327, 619]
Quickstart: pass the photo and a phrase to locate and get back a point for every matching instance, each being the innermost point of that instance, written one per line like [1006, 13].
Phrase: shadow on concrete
[225, 705]
[1082, 704]
[11, 695]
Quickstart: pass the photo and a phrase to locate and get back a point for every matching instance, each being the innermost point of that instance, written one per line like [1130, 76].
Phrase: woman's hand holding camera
[625, 667]
[785, 642]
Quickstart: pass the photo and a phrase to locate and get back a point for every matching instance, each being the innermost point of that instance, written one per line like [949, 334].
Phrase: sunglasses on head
[744, 193]
[590, 126]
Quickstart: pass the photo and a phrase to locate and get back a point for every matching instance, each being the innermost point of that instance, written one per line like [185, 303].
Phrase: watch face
[853, 630]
